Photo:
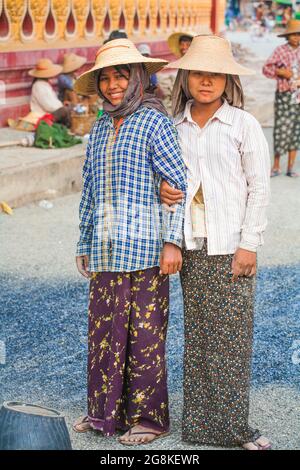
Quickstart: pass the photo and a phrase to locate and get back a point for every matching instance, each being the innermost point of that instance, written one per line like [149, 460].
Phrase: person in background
[116, 34]
[260, 11]
[287, 15]
[145, 50]
[284, 67]
[72, 63]
[43, 99]
[180, 42]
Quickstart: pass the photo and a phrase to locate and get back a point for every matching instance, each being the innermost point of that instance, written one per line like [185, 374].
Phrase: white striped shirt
[230, 157]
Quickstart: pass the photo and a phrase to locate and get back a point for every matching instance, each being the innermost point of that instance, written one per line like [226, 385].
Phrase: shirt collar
[108, 120]
[292, 49]
[223, 114]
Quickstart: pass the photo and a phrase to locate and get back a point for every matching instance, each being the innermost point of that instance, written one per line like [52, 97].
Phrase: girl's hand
[170, 259]
[170, 196]
[82, 263]
[243, 264]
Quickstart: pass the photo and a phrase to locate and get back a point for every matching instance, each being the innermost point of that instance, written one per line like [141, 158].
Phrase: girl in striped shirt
[228, 166]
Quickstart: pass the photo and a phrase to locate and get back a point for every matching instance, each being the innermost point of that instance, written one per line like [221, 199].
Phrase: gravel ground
[43, 320]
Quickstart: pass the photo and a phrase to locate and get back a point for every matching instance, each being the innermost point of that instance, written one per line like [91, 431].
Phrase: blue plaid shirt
[122, 224]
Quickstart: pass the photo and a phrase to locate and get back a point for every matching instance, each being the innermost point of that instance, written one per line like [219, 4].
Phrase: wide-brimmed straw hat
[293, 27]
[116, 52]
[210, 53]
[73, 62]
[45, 69]
[173, 40]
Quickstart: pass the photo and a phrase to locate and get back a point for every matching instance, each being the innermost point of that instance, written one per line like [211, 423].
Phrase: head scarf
[233, 92]
[139, 93]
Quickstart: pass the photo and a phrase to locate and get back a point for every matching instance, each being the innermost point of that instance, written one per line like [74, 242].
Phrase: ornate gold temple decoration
[30, 20]
[129, 12]
[204, 14]
[153, 11]
[15, 10]
[39, 10]
[81, 11]
[115, 12]
[142, 10]
[99, 10]
[163, 10]
[61, 10]
[180, 14]
[173, 13]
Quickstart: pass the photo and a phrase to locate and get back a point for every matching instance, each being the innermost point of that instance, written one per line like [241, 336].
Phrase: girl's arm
[256, 165]
[168, 163]
[273, 66]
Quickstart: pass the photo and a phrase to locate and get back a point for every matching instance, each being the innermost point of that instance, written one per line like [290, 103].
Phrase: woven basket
[81, 123]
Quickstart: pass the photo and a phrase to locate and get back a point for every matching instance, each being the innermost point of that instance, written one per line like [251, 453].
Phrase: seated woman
[43, 98]
[72, 63]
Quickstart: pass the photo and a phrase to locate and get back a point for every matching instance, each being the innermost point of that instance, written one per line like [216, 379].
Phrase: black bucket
[32, 427]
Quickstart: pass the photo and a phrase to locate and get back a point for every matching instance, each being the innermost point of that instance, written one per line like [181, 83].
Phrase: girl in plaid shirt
[127, 248]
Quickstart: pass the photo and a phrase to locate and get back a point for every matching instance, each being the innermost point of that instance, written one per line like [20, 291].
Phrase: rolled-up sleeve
[86, 208]
[256, 166]
[269, 68]
[168, 164]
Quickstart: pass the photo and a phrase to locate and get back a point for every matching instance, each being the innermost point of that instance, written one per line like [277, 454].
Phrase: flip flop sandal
[292, 174]
[264, 447]
[275, 173]
[259, 446]
[133, 443]
[85, 425]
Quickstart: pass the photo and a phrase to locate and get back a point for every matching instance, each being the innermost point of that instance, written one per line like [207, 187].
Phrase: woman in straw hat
[43, 98]
[284, 67]
[123, 248]
[227, 158]
[72, 63]
[180, 42]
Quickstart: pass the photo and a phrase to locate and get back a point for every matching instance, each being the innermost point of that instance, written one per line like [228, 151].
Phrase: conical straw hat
[73, 62]
[293, 27]
[116, 52]
[173, 41]
[208, 53]
[45, 69]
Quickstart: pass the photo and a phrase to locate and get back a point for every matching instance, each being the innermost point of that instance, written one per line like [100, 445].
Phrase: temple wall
[31, 29]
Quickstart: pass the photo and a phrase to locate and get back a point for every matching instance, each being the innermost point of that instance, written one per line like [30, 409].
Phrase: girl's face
[206, 87]
[113, 84]
[294, 39]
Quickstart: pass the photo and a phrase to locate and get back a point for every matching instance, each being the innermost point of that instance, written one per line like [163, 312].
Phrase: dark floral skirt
[127, 380]
[286, 124]
[218, 348]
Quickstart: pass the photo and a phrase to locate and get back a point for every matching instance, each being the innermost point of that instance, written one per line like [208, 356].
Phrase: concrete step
[29, 174]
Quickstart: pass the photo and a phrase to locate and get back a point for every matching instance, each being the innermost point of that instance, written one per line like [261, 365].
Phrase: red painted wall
[14, 67]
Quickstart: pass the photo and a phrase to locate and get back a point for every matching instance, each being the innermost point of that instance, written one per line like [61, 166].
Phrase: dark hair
[185, 38]
[120, 69]
[117, 34]
[39, 78]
